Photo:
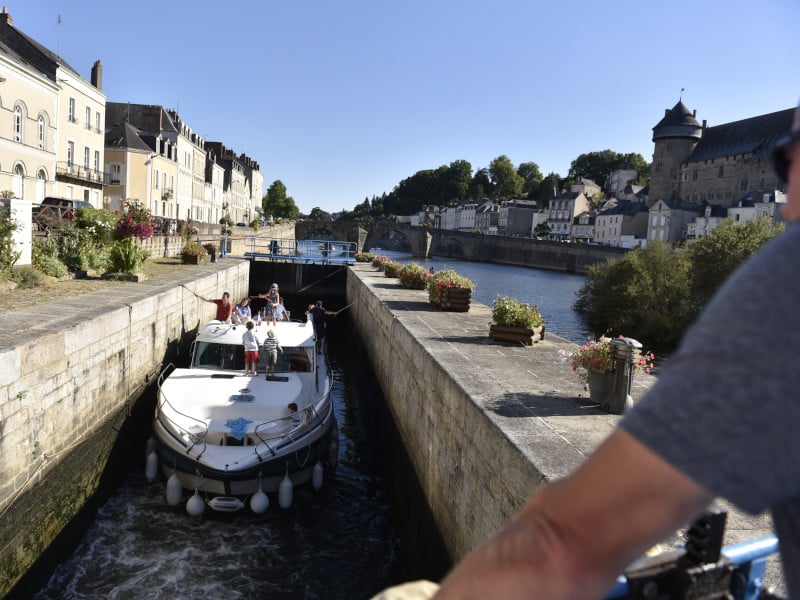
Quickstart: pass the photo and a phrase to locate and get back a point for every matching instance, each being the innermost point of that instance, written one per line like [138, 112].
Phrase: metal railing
[316, 251]
[76, 171]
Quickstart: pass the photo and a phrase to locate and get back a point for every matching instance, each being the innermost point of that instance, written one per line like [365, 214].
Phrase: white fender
[149, 446]
[285, 492]
[195, 505]
[174, 491]
[316, 476]
[151, 466]
[259, 503]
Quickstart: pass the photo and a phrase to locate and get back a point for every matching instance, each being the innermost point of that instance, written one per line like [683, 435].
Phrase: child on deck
[251, 344]
[272, 347]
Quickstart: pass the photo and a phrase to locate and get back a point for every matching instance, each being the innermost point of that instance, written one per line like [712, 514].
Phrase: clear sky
[343, 100]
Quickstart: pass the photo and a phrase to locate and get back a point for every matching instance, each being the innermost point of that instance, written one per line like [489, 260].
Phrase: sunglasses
[781, 154]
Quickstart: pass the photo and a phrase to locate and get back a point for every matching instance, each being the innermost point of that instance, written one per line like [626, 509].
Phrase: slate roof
[31, 52]
[152, 118]
[678, 116]
[755, 136]
[125, 135]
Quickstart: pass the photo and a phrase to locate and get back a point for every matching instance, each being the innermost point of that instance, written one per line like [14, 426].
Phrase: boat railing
[190, 438]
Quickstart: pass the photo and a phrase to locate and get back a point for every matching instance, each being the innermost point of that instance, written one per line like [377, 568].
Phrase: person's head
[226, 297]
[785, 158]
[245, 302]
[249, 325]
[271, 333]
[292, 407]
[319, 303]
[273, 287]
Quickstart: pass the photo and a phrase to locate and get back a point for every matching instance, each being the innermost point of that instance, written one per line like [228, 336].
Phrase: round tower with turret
[675, 136]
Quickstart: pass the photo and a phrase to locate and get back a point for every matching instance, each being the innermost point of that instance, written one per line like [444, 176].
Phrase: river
[342, 542]
[553, 291]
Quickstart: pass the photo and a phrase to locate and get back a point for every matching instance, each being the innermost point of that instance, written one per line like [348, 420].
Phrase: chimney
[705, 123]
[5, 18]
[97, 75]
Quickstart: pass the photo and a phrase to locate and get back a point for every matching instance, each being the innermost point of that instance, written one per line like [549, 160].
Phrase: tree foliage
[597, 166]
[505, 181]
[429, 187]
[714, 257]
[277, 204]
[548, 188]
[644, 295]
[531, 177]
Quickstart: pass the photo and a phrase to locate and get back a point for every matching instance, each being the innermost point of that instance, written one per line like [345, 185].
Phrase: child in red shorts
[251, 344]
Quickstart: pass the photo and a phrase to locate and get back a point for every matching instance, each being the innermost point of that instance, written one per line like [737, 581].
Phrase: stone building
[715, 165]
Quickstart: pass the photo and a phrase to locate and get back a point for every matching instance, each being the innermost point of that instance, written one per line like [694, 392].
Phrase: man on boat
[317, 313]
[224, 306]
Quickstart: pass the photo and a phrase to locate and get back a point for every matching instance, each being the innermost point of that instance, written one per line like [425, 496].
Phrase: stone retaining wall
[69, 373]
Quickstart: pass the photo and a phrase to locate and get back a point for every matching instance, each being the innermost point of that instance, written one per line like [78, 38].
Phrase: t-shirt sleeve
[725, 409]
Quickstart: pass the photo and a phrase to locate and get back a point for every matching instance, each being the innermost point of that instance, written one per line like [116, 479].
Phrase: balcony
[66, 171]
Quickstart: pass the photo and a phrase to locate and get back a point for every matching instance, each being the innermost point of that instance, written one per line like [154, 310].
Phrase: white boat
[231, 438]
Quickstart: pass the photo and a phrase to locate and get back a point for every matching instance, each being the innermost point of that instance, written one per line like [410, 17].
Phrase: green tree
[550, 187]
[456, 180]
[541, 230]
[505, 181]
[644, 295]
[532, 177]
[714, 257]
[278, 204]
[317, 214]
[597, 166]
[480, 185]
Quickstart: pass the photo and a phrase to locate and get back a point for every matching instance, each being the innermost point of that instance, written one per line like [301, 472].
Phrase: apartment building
[53, 145]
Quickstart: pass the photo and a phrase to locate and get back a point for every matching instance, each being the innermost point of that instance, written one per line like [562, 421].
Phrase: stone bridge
[425, 242]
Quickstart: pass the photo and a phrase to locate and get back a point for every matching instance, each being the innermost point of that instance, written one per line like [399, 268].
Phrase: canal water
[554, 292]
[368, 527]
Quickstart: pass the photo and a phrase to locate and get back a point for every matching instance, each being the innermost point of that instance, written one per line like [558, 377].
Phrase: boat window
[293, 359]
[225, 357]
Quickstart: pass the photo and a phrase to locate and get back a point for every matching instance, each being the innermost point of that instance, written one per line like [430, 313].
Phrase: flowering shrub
[509, 312]
[193, 249]
[391, 268]
[596, 356]
[440, 282]
[365, 257]
[135, 222]
[127, 256]
[413, 276]
[378, 261]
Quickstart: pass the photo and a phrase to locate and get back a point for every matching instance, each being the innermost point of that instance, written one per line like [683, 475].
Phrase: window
[70, 154]
[694, 175]
[116, 172]
[743, 186]
[97, 122]
[721, 171]
[97, 162]
[71, 115]
[40, 132]
[88, 118]
[17, 124]
[156, 178]
[86, 154]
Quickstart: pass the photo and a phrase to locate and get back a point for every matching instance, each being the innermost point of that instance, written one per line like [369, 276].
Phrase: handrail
[748, 560]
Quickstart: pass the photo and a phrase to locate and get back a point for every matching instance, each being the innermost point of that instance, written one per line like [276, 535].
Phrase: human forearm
[575, 536]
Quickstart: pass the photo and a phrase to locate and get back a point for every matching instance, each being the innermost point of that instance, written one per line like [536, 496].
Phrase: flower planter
[516, 335]
[190, 259]
[599, 386]
[454, 299]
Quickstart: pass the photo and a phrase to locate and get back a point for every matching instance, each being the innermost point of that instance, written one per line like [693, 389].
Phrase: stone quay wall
[69, 373]
[486, 423]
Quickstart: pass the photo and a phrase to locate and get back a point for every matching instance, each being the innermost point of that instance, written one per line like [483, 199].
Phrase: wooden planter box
[190, 259]
[455, 299]
[516, 335]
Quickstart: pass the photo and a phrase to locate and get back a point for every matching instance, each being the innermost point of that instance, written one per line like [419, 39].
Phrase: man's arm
[575, 536]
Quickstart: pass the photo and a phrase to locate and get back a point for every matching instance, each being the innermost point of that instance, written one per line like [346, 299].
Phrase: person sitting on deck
[242, 312]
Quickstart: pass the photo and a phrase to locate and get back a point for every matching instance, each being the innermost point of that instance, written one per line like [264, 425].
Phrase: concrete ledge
[484, 423]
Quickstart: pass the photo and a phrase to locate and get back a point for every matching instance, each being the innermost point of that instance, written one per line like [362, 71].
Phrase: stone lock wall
[69, 373]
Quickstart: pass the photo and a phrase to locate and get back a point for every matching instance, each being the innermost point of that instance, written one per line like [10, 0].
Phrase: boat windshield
[227, 357]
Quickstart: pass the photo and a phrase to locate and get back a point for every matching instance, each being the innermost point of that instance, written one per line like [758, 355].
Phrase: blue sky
[343, 100]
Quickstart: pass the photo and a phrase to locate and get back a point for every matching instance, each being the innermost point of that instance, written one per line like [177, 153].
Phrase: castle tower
[675, 136]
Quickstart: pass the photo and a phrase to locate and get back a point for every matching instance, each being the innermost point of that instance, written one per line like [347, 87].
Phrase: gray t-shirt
[725, 409]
